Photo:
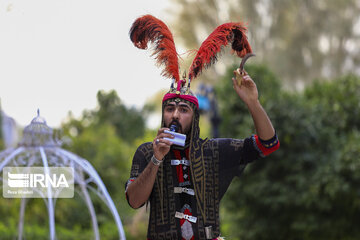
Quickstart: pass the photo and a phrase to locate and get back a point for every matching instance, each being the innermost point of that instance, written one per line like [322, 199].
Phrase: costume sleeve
[139, 163]
[235, 154]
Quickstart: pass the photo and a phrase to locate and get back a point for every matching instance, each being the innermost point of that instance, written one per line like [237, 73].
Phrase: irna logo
[38, 182]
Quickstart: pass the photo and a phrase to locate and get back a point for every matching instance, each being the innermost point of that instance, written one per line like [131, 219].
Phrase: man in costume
[185, 183]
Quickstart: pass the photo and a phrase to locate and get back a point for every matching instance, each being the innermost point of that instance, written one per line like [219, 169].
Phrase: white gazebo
[38, 148]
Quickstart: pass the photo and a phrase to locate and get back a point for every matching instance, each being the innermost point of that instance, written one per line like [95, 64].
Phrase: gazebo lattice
[38, 148]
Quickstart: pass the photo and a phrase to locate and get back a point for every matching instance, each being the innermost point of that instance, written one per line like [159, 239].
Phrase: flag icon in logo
[18, 180]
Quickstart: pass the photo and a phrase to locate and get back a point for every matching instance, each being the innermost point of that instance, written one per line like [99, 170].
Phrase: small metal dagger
[240, 72]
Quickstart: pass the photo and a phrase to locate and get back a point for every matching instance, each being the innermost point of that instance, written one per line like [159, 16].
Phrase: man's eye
[183, 110]
[169, 109]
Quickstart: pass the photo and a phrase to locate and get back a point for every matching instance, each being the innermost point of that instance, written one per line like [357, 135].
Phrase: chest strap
[185, 216]
[178, 162]
[184, 190]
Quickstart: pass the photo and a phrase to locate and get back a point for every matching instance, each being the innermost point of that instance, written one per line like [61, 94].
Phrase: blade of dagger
[245, 58]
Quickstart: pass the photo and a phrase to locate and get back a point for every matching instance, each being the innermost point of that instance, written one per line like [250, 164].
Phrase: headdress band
[186, 97]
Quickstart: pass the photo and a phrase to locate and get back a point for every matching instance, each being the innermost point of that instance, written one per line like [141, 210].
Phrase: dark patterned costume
[212, 165]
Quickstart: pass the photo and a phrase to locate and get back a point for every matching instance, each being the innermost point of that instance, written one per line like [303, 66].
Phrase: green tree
[112, 111]
[128, 122]
[107, 137]
[298, 40]
[308, 189]
[110, 156]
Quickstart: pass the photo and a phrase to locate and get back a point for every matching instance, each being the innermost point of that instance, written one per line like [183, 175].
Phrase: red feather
[148, 28]
[220, 37]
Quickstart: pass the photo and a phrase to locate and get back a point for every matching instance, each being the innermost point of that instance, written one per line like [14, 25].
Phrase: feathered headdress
[148, 28]
[234, 33]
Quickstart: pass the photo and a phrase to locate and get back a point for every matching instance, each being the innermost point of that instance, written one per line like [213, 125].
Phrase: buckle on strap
[178, 162]
[185, 216]
[184, 190]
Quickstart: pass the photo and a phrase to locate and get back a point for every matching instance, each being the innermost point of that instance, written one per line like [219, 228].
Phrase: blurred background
[74, 61]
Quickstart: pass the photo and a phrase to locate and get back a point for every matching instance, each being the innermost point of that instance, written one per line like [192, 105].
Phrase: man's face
[179, 114]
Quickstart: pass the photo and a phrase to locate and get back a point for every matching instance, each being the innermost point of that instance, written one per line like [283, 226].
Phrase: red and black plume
[148, 28]
[234, 33]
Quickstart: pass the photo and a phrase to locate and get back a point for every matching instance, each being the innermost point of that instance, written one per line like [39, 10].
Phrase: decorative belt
[184, 190]
[178, 162]
[185, 216]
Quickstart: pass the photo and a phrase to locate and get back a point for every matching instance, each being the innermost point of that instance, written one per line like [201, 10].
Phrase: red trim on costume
[266, 150]
[179, 170]
[189, 98]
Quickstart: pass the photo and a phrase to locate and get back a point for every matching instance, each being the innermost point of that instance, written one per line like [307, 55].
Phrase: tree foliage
[107, 138]
[308, 189]
[128, 122]
[299, 40]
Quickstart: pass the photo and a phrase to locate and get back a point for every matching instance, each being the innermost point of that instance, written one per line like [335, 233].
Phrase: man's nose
[176, 114]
